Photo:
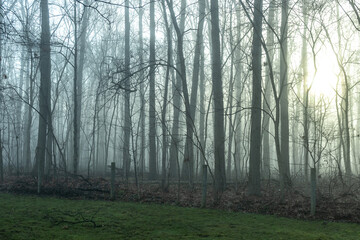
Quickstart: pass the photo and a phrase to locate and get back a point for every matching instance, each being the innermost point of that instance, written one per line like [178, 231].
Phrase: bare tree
[176, 92]
[44, 93]
[152, 107]
[79, 64]
[306, 89]
[127, 122]
[255, 138]
[142, 91]
[188, 167]
[267, 96]
[217, 89]
[284, 166]
[164, 184]
[76, 103]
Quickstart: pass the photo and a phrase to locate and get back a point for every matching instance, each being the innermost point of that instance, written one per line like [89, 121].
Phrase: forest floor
[336, 201]
[45, 217]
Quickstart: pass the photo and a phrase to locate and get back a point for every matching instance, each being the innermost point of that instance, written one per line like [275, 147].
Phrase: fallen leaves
[339, 204]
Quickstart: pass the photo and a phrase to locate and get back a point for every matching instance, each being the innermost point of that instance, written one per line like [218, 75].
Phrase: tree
[152, 107]
[255, 137]
[176, 92]
[76, 103]
[306, 89]
[267, 96]
[196, 62]
[164, 185]
[195, 80]
[1, 141]
[230, 102]
[355, 7]
[284, 166]
[78, 81]
[239, 86]
[188, 166]
[127, 121]
[343, 109]
[217, 89]
[142, 91]
[44, 92]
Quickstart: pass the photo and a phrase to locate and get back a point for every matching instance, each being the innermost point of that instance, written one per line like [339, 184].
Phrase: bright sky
[324, 83]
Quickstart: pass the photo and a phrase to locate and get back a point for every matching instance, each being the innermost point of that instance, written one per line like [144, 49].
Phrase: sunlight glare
[324, 83]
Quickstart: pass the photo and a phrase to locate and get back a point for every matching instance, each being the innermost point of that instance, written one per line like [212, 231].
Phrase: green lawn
[31, 217]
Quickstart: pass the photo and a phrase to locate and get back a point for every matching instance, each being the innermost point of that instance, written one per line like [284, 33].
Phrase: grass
[32, 217]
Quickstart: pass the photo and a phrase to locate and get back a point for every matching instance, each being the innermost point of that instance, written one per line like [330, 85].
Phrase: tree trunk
[204, 185]
[142, 92]
[108, 132]
[313, 192]
[18, 106]
[255, 137]
[284, 101]
[238, 88]
[28, 114]
[229, 107]
[219, 133]
[127, 122]
[267, 98]
[304, 63]
[195, 79]
[112, 182]
[345, 106]
[202, 106]
[44, 92]
[49, 146]
[79, 63]
[164, 185]
[1, 37]
[176, 92]
[188, 167]
[93, 155]
[76, 103]
[152, 107]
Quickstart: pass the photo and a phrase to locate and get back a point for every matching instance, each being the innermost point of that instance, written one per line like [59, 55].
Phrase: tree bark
[127, 122]
[176, 92]
[238, 88]
[216, 73]
[255, 137]
[49, 147]
[76, 103]
[229, 108]
[44, 92]
[313, 192]
[188, 167]
[152, 107]
[195, 78]
[80, 56]
[30, 76]
[284, 166]
[202, 106]
[164, 184]
[142, 92]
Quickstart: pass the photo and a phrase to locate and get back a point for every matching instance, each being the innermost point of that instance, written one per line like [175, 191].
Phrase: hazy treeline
[253, 89]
